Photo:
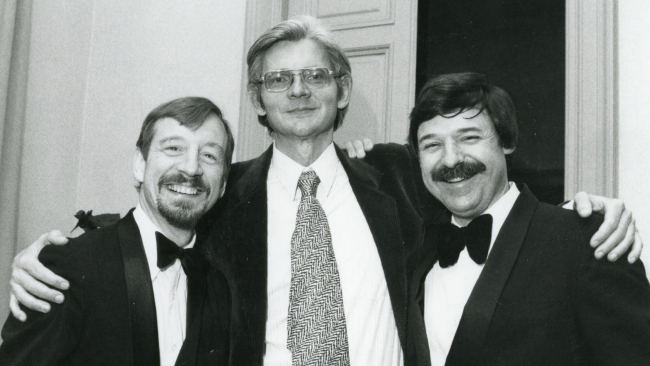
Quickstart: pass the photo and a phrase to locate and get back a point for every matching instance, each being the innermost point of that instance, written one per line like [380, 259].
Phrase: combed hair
[191, 112]
[294, 30]
[449, 95]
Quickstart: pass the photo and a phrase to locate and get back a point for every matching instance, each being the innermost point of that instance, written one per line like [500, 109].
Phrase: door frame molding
[591, 117]
[252, 138]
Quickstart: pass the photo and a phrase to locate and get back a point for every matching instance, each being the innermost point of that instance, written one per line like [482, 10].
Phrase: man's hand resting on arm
[29, 278]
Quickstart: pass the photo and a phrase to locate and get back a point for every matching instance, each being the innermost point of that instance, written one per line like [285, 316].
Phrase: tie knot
[308, 183]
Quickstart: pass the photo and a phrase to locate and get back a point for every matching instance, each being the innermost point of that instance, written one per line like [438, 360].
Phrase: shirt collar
[288, 171]
[148, 234]
[499, 210]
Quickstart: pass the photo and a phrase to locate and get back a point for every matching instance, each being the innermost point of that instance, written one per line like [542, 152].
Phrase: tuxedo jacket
[388, 197]
[109, 314]
[542, 298]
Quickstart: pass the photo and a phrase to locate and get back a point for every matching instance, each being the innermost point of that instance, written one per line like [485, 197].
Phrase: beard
[461, 171]
[183, 213]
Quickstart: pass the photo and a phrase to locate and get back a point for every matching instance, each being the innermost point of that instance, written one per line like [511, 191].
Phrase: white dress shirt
[169, 291]
[447, 290]
[371, 329]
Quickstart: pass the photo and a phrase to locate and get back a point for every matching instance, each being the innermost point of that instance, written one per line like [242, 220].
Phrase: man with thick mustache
[511, 280]
[138, 290]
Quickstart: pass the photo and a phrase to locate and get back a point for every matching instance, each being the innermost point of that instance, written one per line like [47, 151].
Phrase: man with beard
[138, 290]
[510, 281]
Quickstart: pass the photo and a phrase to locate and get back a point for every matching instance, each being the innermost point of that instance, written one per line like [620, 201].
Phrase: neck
[465, 220]
[303, 151]
[180, 237]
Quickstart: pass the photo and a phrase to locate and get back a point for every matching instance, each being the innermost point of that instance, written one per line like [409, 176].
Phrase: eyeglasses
[313, 78]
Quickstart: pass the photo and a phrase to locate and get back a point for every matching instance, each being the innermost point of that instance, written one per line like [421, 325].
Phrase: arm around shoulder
[45, 338]
[613, 311]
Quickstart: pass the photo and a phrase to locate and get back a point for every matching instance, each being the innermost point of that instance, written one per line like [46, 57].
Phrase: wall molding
[591, 151]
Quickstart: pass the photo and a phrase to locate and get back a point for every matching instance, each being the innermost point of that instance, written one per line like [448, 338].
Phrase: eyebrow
[460, 131]
[171, 138]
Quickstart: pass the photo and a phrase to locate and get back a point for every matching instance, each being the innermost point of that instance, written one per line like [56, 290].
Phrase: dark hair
[452, 94]
[190, 112]
[296, 29]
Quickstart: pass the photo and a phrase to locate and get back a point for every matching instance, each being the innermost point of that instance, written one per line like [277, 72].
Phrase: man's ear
[345, 90]
[256, 99]
[508, 151]
[138, 166]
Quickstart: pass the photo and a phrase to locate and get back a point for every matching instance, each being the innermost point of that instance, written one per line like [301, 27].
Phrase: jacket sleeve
[47, 338]
[612, 305]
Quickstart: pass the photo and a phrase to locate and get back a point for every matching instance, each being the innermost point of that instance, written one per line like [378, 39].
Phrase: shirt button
[174, 348]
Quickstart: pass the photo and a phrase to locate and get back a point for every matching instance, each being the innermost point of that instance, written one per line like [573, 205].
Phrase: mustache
[462, 170]
[182, 179]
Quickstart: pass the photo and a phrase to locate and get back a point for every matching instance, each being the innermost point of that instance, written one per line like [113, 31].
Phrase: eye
[278, 78]
[429, 145]
[172, 149]
[471, 138]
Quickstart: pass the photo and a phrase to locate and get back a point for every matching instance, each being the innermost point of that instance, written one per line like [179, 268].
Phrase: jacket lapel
[196, 291]
[142, 306]
[243, 242]
[474, 325]
[422, 261]
[380, 211]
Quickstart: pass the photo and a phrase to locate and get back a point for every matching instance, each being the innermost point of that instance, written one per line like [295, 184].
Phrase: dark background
[520, 47]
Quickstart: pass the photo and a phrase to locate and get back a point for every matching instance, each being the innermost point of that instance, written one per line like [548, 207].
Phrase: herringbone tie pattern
[316, 324]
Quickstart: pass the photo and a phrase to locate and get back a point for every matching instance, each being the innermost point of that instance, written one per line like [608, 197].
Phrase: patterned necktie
[476, 236]
[316, 324]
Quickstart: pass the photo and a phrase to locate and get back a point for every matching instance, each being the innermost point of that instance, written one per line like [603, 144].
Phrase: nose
[452, 155]
[298, 88]
[191, 165]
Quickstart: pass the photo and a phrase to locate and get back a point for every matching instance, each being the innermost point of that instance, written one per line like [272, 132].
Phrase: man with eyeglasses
[314, 244]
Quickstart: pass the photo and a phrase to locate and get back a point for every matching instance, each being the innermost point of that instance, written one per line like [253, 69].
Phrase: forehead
[291, 55]
[210, 132]
[466, 121]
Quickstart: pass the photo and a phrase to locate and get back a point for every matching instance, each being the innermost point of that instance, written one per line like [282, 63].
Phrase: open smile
[190, 191]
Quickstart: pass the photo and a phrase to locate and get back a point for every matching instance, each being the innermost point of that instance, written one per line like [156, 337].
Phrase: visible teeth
[183, 189]
[456, 180]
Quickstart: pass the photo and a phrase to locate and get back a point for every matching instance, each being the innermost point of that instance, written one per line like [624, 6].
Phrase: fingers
[582, 204]
[56, 237]
[359, 148]
[614, 211]
[27, 261]
[367, 144]
[352, 153]
[637, 247]
[625, 245]
[15, 309]
[614, 233]
[27, 299]
[24, 281]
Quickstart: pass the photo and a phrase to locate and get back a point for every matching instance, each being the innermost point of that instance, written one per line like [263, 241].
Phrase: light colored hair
[294, 30]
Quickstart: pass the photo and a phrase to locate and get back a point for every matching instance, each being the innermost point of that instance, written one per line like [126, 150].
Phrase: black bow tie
[168, 252]
[476, 237]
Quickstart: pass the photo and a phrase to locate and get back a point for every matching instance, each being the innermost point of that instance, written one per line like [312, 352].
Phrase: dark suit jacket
[388, 198]
[109, 314]
[542, 298]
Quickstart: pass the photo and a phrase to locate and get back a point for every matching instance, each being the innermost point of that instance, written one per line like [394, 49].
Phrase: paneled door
[379, 37]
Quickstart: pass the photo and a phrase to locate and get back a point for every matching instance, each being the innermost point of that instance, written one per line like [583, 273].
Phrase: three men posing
[281, 233]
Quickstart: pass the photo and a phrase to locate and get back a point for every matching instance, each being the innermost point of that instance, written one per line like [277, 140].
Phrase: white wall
[634, 113]
[96, 68]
